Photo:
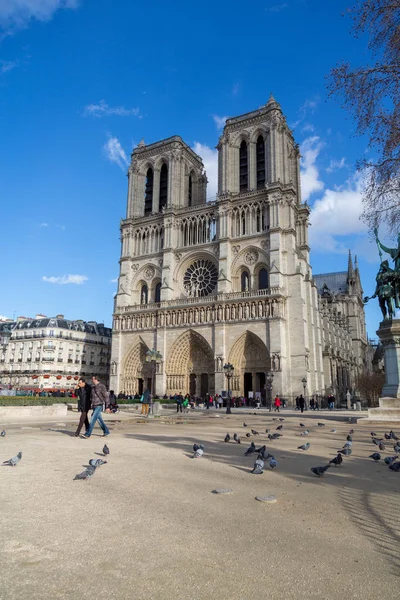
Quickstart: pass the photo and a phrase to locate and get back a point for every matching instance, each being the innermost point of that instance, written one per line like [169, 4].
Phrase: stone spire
[273, 104]
[350, 272]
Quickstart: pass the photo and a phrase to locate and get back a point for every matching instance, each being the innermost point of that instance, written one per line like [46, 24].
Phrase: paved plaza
[147, 525]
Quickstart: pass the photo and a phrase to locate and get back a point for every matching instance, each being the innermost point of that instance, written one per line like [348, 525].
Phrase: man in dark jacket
[84, 392]
[99, 398]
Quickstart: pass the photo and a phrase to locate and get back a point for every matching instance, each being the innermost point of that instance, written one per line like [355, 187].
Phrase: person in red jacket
[277, 403]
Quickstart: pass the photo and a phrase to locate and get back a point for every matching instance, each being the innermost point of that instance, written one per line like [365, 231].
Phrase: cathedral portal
[190, 366]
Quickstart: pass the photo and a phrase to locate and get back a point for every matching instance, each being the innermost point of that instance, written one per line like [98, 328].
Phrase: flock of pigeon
[86, 474]
[263, 455]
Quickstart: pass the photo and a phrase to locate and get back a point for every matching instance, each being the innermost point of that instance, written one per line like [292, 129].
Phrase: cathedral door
[204, 385]
[192, 384]
[140, 387]
[247, 385]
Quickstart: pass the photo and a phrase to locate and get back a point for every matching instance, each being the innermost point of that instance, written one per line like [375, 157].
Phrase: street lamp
[270, 379]
[228, 370]
[304, 382]
[154, 357]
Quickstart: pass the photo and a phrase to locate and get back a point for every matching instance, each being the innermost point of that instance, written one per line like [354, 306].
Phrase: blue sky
[82, 81]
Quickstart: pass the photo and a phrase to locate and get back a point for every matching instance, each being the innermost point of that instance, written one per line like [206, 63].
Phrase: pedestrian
[179, 401]
[302, 403]
[220, 401]
[312, 404]
[84, 393]
[277, 403]
[146, 399]
[99, 398]
[331, 401]
[297, 404]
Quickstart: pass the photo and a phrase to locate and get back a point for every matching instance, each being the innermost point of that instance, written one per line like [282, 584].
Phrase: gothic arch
[250, 358]
[145, 165]
[135, 367]
[190, 359]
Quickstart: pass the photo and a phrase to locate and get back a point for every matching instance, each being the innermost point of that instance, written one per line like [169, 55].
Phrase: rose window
[200, 278]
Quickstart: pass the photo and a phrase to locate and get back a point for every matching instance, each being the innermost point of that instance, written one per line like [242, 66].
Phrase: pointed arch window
[190, 191]
[157, 293]
[263, 279]
[144, 294]
[244, 282]
[243, 167]
[148, 195]
[260, 162]
[163, 186]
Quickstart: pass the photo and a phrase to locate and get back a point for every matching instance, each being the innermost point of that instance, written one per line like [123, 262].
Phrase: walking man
[99, 398]
[84, 393]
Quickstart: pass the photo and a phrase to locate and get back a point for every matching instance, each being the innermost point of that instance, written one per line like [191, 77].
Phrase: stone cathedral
[229, 280]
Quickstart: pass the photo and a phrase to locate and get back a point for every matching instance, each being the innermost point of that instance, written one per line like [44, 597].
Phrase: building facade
[206, 283]
[52, 353]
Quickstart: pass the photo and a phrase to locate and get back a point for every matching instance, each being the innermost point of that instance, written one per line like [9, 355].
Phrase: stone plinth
[15, 413]
[389, 404]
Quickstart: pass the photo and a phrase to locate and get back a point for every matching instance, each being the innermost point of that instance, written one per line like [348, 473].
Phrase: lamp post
[228, 370]
[270, 379]
[304, 382]
[154, 357]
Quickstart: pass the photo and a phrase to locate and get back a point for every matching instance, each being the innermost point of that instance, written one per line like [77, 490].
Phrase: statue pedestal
[389, 404]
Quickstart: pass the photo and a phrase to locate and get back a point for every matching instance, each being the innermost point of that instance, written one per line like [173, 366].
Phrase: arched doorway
[190, 366]
[136, 372]
[251, 360]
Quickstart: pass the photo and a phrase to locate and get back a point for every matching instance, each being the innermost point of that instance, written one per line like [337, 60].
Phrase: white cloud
[235, 89]
[336, 215]
[102, 109]
[275, 8]
[210, 160]
[15, 14]
[306, 109]
[220, 121]
[64, 279]
[114, 152]
[7, 65]
[43, 225]
[335, 165]
[4, 318]
[310, 182]
[114, 280]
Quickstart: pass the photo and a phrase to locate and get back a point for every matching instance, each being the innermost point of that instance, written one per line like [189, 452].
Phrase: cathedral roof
[142, 148]
[335, 282]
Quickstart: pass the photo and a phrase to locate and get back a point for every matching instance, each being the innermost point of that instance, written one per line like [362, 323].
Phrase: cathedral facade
[229, 281]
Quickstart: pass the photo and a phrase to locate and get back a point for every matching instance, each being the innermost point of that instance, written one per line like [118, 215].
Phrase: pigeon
[381, 446]
[227, 438]
[12, 462]
[320, 471]
[106, 450]
[250, 449]
[281, 419]
[333, 430]
[236, 438]
[375, 456]
[351, 431]
[347, 444]
[248, 434]
[388, 460]
[321, 424]
[387, 436]
[258, 467]
[376, 441]
[395, 466]
[244, 424]
[392, 435]
[349, 438]
[97, 462]
[262, 450]
[302, 425]
[254, 432]
[305, 432]
[279, 427]
[337, 461]
[87, 474]
[3, 433]
[373, 434]
[274, 418]
[198, 453]
[273, 463]
[345, 451]
[304, 446]
[267, 430]
[396, 448]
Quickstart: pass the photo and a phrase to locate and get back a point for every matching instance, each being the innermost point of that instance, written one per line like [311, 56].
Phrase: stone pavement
[147, 525]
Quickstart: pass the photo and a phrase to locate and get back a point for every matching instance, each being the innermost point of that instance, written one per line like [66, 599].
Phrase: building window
[144, 294]
[260, 162]
[244, 282]
[262, 279]
[163, 186]
[157, 293]
[148, 198]
[190, 191]
[243, 167]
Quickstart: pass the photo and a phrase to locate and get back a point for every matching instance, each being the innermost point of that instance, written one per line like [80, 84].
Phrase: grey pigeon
[337, 461]
[251, 449]
[199, 452]
[281, 418]
[373, 434]
[376, 441]
[305, 432]
[388, 460]
[248, 434]
[12, 462]
[381, 446]
[3, 433]
[236, 438]
[347, 444]
[393, 436]
[375, 456]
[273, 463]
[254, 432]
[267, 430]
[351, 431]
[395, 466]
[349, 438]
[333, 430]
[302, 425]
[262, 451]
[87, 474]
[345, 451]
[244, 424]
[321, 424]
[387, 436]
[197, 447]
[304, 446]
[279, 427]
[396, 448]
[319, 471]
[97, 462]
[258, 467]
[106, 450]
[227, 438]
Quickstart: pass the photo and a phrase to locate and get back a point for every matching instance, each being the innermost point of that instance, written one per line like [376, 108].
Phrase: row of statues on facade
[387, 288]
